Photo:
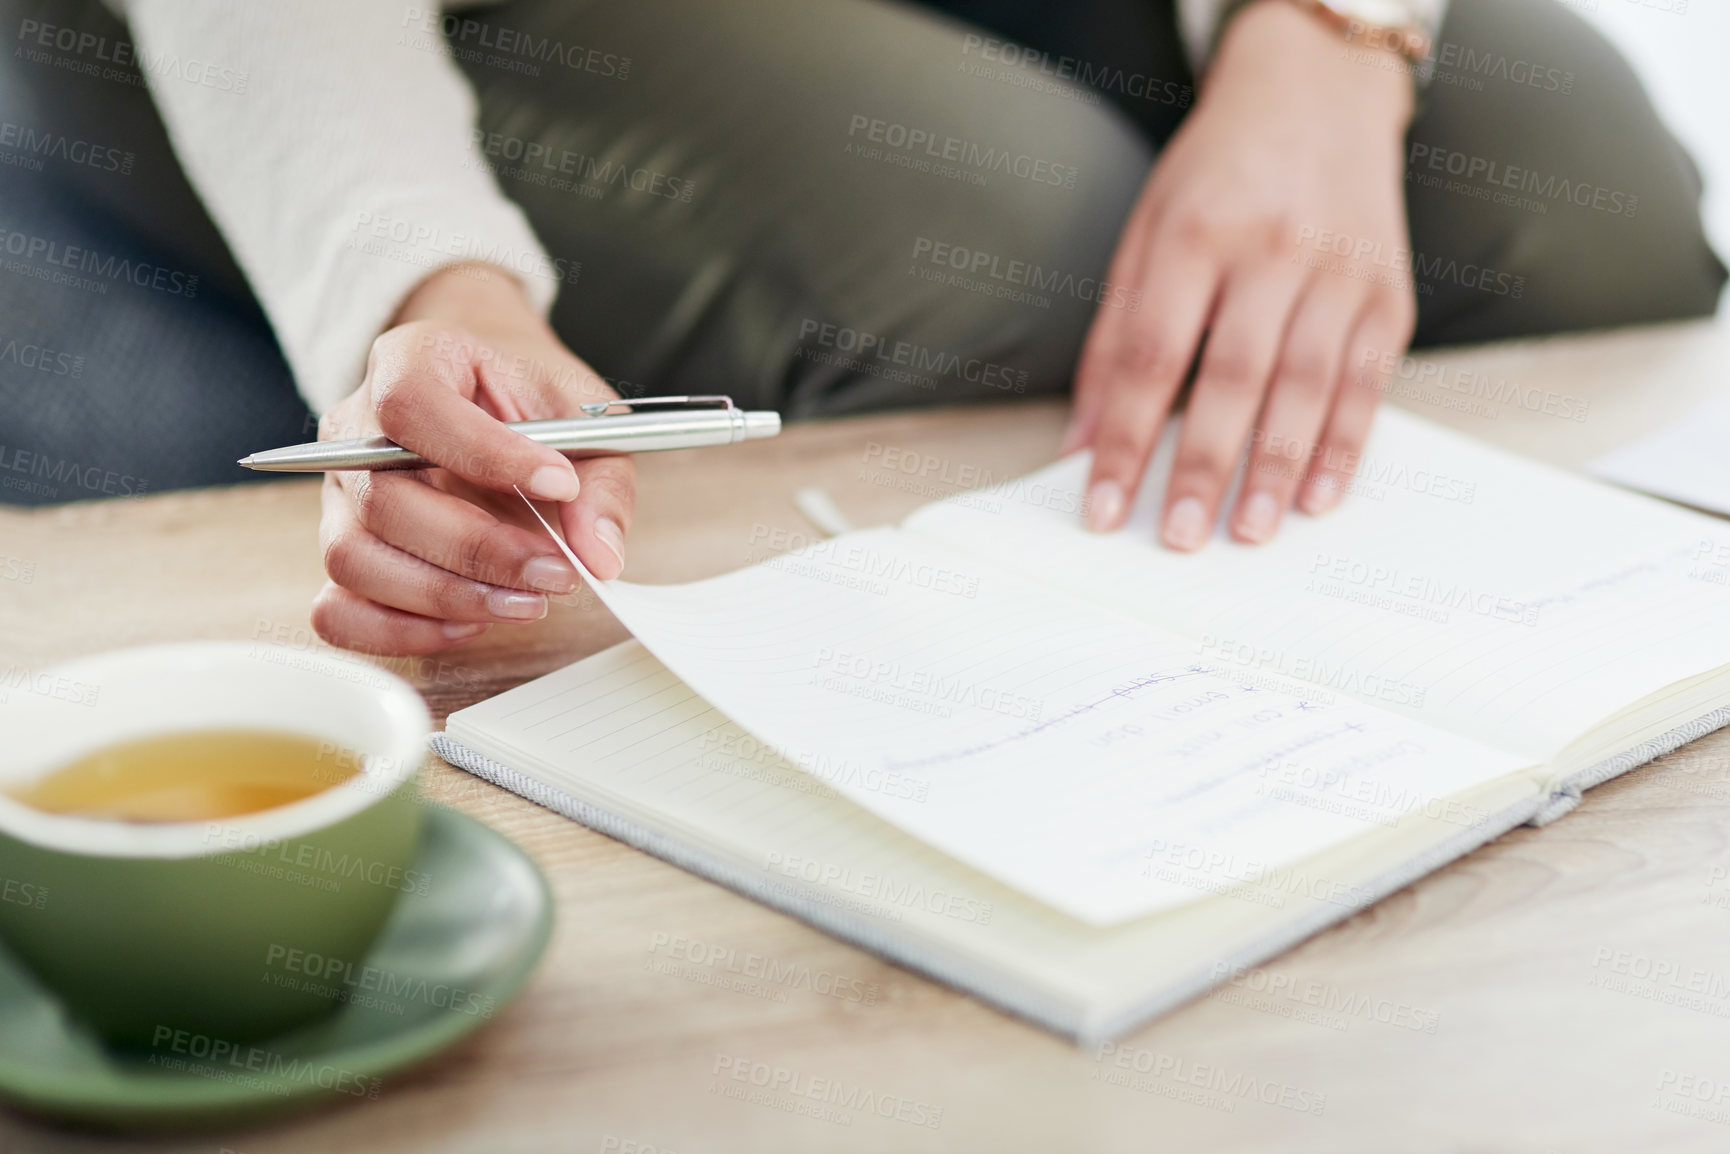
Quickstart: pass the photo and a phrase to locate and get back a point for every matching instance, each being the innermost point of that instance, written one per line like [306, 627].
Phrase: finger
[349, 621]
[1141, 372]
[595, 526]
[423, 403]
[1106, 333]
[361, 563]
[1386, 325]
[457, 535]
[1298, 400]
[1241, 348]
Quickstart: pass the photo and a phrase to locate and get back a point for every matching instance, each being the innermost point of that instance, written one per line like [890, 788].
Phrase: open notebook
[1084, 777]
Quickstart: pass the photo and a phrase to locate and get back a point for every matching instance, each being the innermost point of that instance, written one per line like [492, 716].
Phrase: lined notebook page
[1048, 743]
[1486, 594]
[621, 730]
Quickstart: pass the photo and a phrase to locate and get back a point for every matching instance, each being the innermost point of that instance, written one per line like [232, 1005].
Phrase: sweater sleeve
[332, 143]
[1198, 23]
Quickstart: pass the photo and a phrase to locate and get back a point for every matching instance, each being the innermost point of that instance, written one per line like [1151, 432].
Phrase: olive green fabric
[830, 206]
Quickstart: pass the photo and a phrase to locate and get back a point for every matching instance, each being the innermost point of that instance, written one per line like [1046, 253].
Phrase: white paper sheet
[1071, 752]
[1688, 461]
[1485, 594]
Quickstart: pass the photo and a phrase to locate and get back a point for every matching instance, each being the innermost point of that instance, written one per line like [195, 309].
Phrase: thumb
[595, 523]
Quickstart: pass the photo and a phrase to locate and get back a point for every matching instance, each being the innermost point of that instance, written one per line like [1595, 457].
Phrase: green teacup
[169, 935]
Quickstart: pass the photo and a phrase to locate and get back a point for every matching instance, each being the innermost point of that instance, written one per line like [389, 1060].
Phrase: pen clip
[597, 408]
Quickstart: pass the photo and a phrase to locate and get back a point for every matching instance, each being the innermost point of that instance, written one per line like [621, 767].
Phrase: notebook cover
[990, 986]
[1020, 998]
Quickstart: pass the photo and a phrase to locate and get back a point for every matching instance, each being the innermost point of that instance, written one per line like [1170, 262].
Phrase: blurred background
[1680, 47]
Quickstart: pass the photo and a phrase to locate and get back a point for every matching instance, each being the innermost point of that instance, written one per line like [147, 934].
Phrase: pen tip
[245, 462]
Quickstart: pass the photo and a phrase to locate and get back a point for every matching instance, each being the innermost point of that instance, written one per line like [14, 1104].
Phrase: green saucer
[447, 963]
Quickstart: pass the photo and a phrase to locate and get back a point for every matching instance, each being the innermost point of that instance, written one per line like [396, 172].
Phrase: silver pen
[669, 423]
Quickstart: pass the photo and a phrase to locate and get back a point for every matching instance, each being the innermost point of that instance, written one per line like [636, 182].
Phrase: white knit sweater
[331, 142]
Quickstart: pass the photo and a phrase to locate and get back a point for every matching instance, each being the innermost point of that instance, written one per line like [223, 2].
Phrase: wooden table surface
[1564, 989]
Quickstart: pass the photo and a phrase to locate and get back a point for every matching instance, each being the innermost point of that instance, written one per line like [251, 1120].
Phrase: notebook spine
[1567, 794]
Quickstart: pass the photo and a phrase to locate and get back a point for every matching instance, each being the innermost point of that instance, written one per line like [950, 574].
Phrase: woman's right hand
[421, 560]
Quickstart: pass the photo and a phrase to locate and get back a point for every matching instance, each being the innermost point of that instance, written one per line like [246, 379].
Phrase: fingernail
[608, 532]
[1104, 506]
[1186, 525]
[517, 606]
[463, 630]
[1259, 518]
[1321, 496]
[550, 575]
[551, 483]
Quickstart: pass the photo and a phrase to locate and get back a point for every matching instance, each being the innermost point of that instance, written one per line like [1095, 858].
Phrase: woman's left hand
[1274, 227]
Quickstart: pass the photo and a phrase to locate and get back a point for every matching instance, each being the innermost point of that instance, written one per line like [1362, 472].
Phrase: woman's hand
[1295, 144]
[421, 560]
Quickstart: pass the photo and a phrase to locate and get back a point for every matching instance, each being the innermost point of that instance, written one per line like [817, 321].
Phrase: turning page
[1483, 593]
[1054, 745]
